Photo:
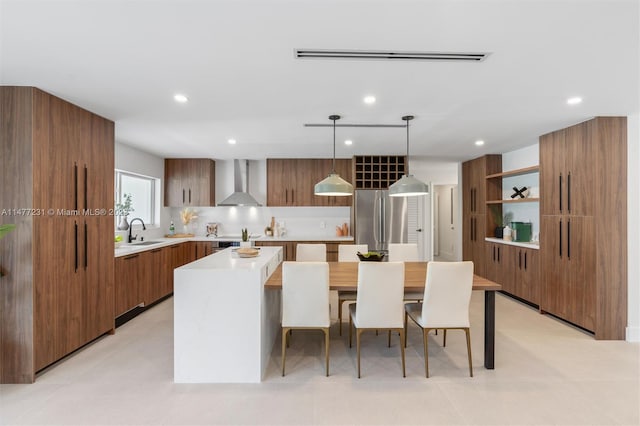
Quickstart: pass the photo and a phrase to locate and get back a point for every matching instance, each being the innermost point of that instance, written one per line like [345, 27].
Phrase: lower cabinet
[202, 249]
[131, 272]
[146, 277]
[498, 265]
[525, 274]
[289, 248]
[516, 269]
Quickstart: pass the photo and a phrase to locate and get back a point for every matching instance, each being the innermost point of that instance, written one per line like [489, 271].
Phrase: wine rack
[377, 171]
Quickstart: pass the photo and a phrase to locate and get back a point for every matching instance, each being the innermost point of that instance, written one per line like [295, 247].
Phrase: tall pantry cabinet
[583, 247]
[58, 265]
[477, 222]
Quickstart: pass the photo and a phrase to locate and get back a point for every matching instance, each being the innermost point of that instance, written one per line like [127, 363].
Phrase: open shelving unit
[495, 180]
[377, 171]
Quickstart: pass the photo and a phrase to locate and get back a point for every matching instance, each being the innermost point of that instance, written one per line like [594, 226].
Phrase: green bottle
[172, 229]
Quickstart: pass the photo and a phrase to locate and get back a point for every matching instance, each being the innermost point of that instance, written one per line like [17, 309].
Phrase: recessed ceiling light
[348, 142]
[178, 97]
[232, 141]
[574, 101]
[369, 100]
[479, 142]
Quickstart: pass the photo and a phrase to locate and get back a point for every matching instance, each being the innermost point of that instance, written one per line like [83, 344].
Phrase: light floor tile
[546, 373]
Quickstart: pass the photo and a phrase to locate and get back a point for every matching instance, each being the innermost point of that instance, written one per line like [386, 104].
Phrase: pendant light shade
[333, 185]
[408, 186]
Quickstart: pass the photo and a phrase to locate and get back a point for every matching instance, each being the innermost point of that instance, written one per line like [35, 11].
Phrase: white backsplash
[298, 221]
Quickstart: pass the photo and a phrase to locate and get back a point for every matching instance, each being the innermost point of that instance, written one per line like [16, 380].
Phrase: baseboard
[633, 334]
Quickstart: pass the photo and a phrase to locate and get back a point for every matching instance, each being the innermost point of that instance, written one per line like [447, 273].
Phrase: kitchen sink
[147, 243]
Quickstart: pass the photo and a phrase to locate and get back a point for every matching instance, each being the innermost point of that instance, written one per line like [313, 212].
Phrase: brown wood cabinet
[289, 248]
[476, 223]
[524, 274]
[189, 182]
[498, 264]
[203, 248]
[583, 244]
[58, 288]
[132, 274]
[291, 182]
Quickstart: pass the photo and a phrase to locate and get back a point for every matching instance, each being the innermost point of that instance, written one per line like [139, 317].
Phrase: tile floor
[546, 373]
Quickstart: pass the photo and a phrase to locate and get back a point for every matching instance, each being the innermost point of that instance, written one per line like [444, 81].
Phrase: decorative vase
[245, 243]
[185, 228]
[498, 232]
[123, 225]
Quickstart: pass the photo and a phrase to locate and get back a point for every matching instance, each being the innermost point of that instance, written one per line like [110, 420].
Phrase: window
[143, 195]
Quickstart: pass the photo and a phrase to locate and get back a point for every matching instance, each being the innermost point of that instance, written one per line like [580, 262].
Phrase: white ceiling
[234, 60]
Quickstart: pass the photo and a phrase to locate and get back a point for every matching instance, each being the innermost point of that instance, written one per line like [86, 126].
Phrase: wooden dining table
[344, 276]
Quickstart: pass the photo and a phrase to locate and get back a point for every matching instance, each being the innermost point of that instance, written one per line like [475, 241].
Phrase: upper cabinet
[189, 182]
[567, 179]
[291, 182]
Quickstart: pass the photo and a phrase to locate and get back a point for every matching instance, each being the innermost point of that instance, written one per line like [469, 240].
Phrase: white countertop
[128, 249]
[228, 259]
[535, 246]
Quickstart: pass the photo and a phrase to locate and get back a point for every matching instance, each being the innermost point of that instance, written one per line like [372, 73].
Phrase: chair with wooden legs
[445, 305]
[311, 252]
[347, 253]
[305, 301]
[379, 304]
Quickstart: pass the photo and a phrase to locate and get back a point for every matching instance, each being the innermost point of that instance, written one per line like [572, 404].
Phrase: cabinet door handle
[189, 195]
[569, 192]
[560, 190]
[560, 238]
[75, 186]
[519, 259]
[182, 195]
[568, 239]
[471, 229]
[86, 179]
[157, 250]
[498, 254]
[75, 247]
[286, 196]
[292, 197]
[473, 200]
[86, 247]
[494, 253]
[525, 260]
[131, 257]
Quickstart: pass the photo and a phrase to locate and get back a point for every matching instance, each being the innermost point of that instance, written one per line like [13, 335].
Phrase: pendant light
[333, 185]
[408, 186]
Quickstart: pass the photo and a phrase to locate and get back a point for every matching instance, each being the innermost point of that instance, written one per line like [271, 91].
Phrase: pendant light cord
[407, 118]
[333, 166]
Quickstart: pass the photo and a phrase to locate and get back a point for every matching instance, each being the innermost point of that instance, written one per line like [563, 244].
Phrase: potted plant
[500, 220]
[245, 238]
[123, 209]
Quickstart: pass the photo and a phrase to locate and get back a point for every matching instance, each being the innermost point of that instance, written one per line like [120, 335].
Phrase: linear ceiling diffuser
[390, 55]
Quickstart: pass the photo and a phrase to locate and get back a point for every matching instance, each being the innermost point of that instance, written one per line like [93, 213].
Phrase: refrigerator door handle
[383, 218]
[376, 220]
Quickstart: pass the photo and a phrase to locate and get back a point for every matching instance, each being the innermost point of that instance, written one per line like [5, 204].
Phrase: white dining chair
[379, 304]
[403, 252]
[445, 305]
[347, 253]
[406, 253]
[305, 301]
[311, 252]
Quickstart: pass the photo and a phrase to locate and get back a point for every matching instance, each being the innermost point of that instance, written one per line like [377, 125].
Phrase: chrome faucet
[144, 228]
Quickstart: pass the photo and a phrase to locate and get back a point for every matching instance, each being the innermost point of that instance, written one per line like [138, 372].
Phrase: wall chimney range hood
[240, 196]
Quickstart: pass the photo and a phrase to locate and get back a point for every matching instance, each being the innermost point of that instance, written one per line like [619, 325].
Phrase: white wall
[134, 160]
[519, 159]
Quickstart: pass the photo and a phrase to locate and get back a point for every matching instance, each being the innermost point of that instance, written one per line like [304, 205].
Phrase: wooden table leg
[489, 328]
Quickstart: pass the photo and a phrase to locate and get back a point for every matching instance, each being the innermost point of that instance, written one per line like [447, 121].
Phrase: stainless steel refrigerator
[380, 219]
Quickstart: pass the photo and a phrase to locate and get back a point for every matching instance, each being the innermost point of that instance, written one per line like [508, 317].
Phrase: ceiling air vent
[387, 55]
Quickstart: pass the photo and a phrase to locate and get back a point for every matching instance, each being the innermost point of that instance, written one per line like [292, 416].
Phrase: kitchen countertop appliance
[212, 229]
[380, 219]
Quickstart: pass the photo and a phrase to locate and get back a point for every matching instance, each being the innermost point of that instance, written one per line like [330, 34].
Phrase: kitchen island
[225, 323]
